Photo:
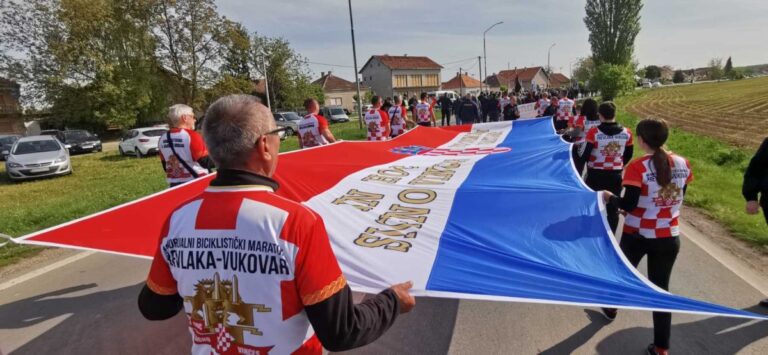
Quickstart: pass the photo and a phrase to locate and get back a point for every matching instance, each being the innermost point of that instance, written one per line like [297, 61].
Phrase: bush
[678, 77]
[612, 80]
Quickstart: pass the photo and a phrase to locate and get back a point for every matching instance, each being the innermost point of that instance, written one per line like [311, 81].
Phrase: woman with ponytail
[654, 186]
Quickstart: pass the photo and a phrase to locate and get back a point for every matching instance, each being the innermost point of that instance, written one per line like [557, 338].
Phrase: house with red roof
[338, 91]
[559, 80]
[530, 79]
[463, 84]
[405, 75]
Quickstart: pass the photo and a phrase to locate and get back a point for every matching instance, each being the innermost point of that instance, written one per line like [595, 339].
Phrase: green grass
[99, 181]
[718, 169]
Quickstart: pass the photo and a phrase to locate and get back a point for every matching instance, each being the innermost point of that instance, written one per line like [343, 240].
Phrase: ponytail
[660, 160]
[654, 133]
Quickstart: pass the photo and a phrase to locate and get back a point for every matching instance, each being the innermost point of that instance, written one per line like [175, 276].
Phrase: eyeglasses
[274, 131]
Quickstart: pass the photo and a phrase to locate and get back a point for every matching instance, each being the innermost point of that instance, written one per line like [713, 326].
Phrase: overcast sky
[680, 33]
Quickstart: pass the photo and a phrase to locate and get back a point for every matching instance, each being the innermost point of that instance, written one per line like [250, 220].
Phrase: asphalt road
[89, 306]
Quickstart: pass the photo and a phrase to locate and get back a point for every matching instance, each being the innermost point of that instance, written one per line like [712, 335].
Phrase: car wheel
[120, 149]
[288, 132]
[138, 153]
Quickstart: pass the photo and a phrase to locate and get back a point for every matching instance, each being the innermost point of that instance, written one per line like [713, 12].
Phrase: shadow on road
[715, 335]
[103, 322]
[573, 342]
[428, 329]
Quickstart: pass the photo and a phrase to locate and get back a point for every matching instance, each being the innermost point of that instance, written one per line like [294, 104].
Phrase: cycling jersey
[397, 120]
[658, 208]
[608, 150]
[423, 112]
[377, 122]
[311, 129]
[190, 147]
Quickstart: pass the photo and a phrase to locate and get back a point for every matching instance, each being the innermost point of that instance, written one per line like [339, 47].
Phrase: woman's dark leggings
[662, 253]
[606, 180]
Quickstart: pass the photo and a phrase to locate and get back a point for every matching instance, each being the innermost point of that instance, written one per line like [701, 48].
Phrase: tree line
[118, 64]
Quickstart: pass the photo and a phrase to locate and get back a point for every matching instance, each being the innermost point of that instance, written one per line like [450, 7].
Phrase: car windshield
[291, 116]
[75, 135]
[8, 140]
[36, 147]
[337, 111]
[154, 133]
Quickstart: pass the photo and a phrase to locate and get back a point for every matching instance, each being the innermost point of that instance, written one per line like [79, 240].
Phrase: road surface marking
[43, 270]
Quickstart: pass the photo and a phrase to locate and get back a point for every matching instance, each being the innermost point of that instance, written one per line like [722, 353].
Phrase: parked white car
[141, 141]
[657, 84]
[37, 156]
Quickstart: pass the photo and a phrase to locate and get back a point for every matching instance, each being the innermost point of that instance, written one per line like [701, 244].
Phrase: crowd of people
[240, 139]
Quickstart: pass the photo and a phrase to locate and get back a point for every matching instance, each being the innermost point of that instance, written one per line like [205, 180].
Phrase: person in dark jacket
[469, 112]
[756, 183]
[445, 108]
[494, 109]
[456, 108]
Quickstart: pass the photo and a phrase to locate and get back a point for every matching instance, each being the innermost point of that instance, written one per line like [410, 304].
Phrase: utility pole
[461, 84]
[357, 78]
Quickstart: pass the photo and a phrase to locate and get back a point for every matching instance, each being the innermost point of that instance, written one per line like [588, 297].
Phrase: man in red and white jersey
[566, 105]
[608, 148]
[377, 121]
[187, 158]
[253, 271]
[504, 101]
[423, 112]
[313, 128]
[398, 115]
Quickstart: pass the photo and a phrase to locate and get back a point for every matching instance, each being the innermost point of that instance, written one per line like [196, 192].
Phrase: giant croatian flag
[491, 211]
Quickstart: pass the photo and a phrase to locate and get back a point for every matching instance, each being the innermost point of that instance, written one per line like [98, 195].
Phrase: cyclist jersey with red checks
[608, 150]
[311, 129]
[246, 262]
[565, 106]
[376, 123]
[658, 209]
[190, 147]
[397, 120]
[423, 112]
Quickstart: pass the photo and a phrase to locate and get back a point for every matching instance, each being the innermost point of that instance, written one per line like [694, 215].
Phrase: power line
[459, 61]
[330, 65]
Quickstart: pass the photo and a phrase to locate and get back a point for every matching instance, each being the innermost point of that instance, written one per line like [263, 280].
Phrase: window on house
[400, 81]
[414, 80]
[431, 80]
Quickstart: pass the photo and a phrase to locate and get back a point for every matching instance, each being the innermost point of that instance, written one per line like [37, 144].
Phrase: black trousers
[662, 253]
[606, 180]
[425, 124]
[446, 117]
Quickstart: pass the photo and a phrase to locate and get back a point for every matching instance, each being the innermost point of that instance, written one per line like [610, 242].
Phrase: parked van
[452, 95]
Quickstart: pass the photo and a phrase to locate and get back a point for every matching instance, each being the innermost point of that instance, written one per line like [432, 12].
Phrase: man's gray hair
[231, 126]
[398, 99]
[175, 113]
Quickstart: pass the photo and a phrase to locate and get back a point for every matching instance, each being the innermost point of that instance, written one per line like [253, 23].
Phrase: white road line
[727, 259]
[43, 270]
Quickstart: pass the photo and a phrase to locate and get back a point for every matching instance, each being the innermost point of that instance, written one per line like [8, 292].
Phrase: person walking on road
[468, 111]
[302, 298]
[494, 110]
[313, 128]
[654, 187]
[445, 108]
[398, 115]
[182, 151]
[510, 111]
[608, 149]
[425, 116]
[456, 108]
[377, 121]
[756, 183]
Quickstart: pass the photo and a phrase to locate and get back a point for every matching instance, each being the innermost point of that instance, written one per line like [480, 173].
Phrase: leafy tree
[236, 50]
[367, 96]
[287, 72]
[736, 74]
[584, 69]
[715, 68]
[728, 66]
[612, 80]
[613, 26]
[88, 63]
[652, 72]
[678, 77]
[188, 35]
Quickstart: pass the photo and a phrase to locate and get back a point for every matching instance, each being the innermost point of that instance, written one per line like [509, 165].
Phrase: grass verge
[99, 181]
[718, 169]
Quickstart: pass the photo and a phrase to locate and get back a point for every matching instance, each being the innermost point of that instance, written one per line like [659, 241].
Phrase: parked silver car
[37, 156]
[289, 120]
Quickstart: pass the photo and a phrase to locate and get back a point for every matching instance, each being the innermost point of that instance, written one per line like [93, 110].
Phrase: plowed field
[733, 111]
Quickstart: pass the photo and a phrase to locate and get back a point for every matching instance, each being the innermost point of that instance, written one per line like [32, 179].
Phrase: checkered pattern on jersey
[608, 151]
[375, 126]
[223, 339]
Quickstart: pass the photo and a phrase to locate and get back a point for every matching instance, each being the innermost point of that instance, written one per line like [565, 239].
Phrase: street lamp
[485, 59]
[549, 69]
[357, 78]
